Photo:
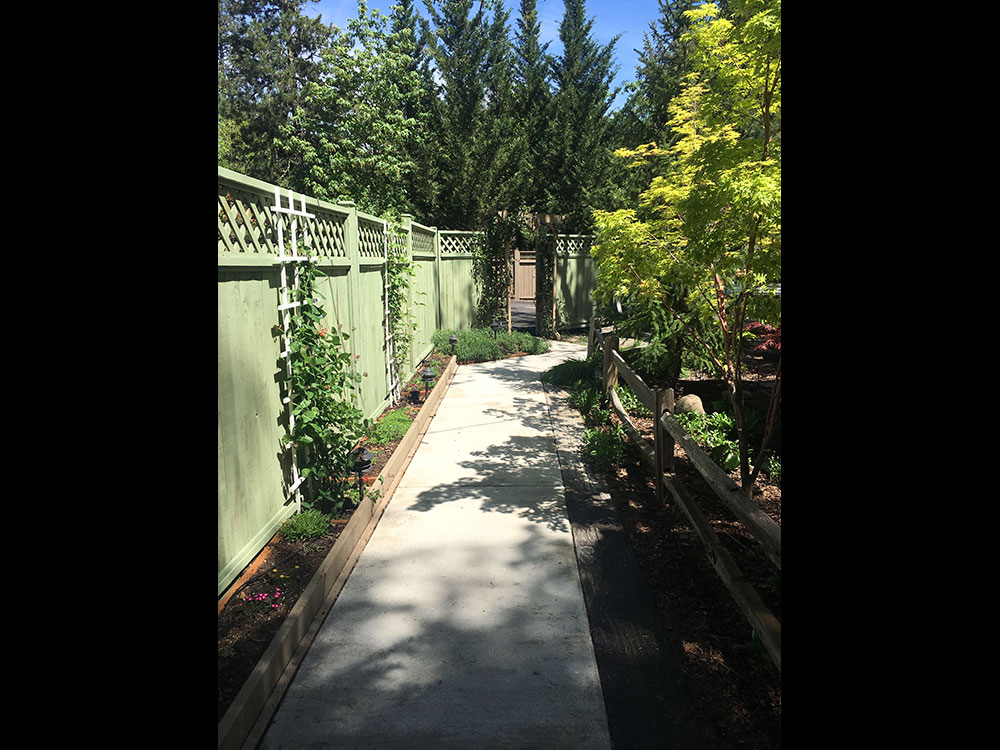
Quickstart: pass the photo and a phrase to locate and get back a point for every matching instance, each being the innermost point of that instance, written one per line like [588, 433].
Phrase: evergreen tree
[269, 53]
[579, 148]
[414, 35]
[533, 96]
[663, 63]
[461, 39]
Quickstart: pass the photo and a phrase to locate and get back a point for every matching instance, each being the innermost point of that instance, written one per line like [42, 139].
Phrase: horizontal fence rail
[659, 456]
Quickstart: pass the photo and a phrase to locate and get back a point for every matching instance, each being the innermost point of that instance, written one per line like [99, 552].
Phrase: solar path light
[427, 375]
[496, 326]
[453, 339]
[361, 465]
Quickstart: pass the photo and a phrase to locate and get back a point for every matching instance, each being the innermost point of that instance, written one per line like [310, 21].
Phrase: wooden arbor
[545, 283]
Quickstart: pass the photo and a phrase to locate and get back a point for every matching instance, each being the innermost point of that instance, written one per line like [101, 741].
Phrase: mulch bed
[737, 689]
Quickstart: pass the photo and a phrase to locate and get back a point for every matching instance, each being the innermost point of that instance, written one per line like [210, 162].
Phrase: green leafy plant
[323, 385]
[773, 469]
[399, 273]
[605, 447]
[572, 372]
[631, 402]
[309, 524]
[391, 427]
[713, 432]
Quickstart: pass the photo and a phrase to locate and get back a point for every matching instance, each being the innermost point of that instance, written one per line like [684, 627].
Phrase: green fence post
[352, 246]
[408, 229]
[439, 314]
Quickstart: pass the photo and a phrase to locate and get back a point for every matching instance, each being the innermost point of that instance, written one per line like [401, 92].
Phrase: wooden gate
[523, 287]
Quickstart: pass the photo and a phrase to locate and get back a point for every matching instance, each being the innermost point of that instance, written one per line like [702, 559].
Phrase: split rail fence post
[663, 441]
[610, 371]
[592, 336]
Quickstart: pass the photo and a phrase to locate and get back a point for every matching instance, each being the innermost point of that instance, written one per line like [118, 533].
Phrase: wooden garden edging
[659, 455]
[253, 706]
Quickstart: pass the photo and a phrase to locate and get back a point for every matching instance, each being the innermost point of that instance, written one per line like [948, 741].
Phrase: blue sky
[630, 18]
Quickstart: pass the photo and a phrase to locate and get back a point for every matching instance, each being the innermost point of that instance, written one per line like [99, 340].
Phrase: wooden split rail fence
[660, 456]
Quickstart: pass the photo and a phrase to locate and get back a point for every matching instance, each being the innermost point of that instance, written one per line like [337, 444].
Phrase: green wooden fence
[253, 468]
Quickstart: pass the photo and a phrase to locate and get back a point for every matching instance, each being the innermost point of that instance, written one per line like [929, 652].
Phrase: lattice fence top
[459, 242]
[326, 234]
[423, 242]
[247, 225]
[371, 239]
[397, 242]
[573, 244]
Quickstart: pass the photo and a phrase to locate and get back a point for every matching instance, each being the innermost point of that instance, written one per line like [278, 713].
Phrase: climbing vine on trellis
[322, 384]
[400, 272]
[491, 266]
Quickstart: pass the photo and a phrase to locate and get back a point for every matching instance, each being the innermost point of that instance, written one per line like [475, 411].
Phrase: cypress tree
[579, 148]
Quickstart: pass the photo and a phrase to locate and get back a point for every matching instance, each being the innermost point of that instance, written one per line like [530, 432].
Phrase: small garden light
[453, 339]
[361, 465]
[427, 375]
[496, 325]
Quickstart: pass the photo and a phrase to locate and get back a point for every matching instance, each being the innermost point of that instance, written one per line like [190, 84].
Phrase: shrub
[573, 372]
[482, 345]
[309, 524]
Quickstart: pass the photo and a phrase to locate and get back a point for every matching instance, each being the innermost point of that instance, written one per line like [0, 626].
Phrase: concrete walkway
[463, 624]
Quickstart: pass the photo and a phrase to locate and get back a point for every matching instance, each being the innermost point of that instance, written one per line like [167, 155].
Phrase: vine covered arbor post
[546, 229]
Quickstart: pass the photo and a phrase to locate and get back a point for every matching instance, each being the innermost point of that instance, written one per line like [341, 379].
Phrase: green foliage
[269, 56]
[605, 446]
[584, 386]
[322, 386]
[473, 62]
[355, 130]
[309, 524]
[715, 433]
[631, 402]
[773, 468]
[533, 96]
[577, 157]
[483, 345]
[491, 267]
[709, 224]
[572, 372]
[400, 272]
[389, 428]
[588, 399]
